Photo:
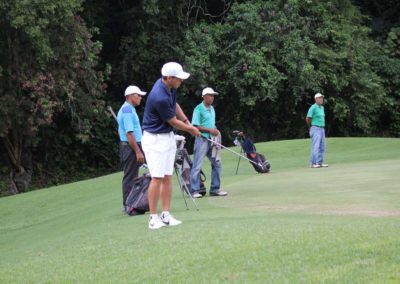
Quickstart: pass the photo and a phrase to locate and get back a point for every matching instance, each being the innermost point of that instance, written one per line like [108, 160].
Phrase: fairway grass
[339, 224]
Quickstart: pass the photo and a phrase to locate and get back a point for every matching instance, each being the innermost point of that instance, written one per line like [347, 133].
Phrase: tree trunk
[11, 186]
[19, 181]
[20, 162]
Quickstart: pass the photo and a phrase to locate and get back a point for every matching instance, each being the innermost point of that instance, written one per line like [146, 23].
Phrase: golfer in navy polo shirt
[161, 115]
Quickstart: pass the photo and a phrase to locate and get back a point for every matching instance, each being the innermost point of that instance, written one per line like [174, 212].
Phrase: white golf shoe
[169, 220]
[156, 223]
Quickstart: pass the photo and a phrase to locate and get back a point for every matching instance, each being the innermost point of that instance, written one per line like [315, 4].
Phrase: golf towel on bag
[137, 202]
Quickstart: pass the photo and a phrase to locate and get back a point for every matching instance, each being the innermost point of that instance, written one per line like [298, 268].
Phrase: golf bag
[185, 165]
[261, 164]
[137, 202]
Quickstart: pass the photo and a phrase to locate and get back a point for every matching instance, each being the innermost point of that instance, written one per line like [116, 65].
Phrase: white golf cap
[174, 69]
[134, 90]
[208, 91]
[318, 95]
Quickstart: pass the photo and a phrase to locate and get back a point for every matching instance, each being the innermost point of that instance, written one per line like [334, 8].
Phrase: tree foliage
[49, 84]
[266, 59]
[270, 58]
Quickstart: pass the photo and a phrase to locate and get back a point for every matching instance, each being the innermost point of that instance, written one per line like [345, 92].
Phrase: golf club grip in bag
[137, 202]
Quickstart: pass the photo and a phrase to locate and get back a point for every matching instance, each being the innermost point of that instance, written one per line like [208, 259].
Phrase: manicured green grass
[295, 225]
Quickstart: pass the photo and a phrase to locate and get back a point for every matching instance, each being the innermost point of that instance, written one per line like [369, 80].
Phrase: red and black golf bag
[137, 202]
[261, 164]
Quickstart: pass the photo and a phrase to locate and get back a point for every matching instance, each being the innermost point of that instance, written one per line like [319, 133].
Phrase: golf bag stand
[179, 166]
[241, 153]
[237, 142]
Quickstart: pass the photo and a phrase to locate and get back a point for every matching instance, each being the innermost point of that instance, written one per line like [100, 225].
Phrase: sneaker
[324, 165]
[156, 223]
[196, 195]
[218, 193]
[169, 220]
[315, 166]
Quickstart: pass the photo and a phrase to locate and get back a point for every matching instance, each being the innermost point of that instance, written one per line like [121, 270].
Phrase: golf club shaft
[112, 112]
[226, 148]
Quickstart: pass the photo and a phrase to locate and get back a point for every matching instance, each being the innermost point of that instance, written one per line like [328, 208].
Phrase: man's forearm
[132, 142]
[203, 129]
[308, 122]
[181, 125]
[180, 114]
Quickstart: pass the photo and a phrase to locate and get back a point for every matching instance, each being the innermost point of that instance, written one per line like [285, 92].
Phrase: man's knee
[167, 179]
[156, 181]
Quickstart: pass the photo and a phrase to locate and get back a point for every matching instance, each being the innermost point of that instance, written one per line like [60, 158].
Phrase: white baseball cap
[318, 95]
[174, 69]
[208, 91]
[134, 90]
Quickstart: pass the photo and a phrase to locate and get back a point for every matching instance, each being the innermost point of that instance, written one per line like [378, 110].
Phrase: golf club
[226, 148]
[109, 108]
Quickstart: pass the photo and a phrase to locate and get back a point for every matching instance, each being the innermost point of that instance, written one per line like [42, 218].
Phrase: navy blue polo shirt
[160, 107]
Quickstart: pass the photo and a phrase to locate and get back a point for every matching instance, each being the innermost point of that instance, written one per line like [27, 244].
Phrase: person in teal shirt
[204, 119]
[316, 123]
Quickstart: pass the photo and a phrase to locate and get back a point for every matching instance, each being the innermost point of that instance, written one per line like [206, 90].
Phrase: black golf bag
[137, 202]
[184, 165]
[261, 164]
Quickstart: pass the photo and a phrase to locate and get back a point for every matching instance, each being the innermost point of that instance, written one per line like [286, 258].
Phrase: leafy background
[63, 62]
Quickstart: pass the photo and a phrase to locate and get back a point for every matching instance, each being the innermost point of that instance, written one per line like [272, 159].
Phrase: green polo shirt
[317, 115]
[204, 117]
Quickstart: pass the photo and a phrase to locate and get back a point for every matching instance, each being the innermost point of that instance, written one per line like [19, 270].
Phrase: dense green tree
[50, 89]
[269, 58]
[386, 62]
[148, 34]
[382, 15]
[266, 58]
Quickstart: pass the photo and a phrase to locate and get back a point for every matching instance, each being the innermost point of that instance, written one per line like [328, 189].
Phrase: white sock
[153, 216]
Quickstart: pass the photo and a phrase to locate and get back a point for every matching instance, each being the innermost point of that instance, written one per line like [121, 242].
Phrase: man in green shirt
[204, 120]
[316, 122]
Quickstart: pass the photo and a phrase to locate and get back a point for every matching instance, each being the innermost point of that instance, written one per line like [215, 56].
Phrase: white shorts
[160, 150]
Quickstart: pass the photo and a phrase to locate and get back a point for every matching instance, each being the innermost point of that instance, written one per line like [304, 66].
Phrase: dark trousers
[130, 167]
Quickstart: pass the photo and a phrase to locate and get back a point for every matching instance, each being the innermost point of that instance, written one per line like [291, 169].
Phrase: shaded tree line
[63, 62]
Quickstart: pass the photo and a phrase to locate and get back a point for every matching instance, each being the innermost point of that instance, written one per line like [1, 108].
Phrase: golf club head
[266, 166]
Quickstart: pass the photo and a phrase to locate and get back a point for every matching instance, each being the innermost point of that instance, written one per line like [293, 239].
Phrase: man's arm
[212, 131]
[181, 115]
[174, 122]
[308, 121]
[135, 147]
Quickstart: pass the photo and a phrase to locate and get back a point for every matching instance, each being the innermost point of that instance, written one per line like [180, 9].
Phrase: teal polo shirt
[204, 117]
[317, 115]
[128, 121]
